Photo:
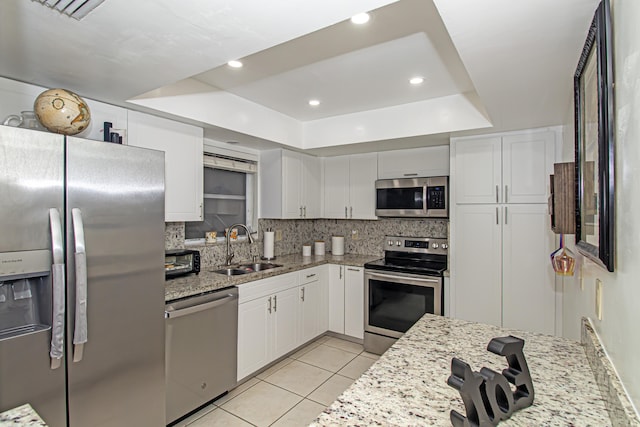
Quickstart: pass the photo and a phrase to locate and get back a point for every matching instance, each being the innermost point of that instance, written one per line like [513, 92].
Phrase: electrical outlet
[599, 299]
[354, 235]
[278, 235]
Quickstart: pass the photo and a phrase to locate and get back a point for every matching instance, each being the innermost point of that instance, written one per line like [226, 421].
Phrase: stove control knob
[398, 243]
[390, 242]
[445, 246]
[435, 245]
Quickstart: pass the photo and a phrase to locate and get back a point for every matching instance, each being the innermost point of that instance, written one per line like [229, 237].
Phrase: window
[229, 196]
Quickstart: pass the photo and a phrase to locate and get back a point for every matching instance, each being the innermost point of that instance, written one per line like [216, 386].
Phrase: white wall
[621, 289]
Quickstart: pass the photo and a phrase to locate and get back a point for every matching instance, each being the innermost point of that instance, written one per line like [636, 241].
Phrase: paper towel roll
[268, 239]
[337, 245]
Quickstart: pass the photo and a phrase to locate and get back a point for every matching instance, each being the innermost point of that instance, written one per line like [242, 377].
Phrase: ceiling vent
[77, 9]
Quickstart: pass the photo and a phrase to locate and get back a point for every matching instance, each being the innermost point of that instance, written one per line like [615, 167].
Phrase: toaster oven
[178, 262]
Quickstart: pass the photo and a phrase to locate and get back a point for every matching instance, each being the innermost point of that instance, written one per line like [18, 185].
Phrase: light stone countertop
[22, 416]
[207, 281]
[407, 386]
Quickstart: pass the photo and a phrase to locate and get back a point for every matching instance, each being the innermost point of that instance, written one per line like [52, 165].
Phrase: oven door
[395, 301]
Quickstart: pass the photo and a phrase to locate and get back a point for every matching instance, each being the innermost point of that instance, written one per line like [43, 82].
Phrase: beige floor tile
[326, 357]
[349, 346]
[299, 378]
[356, 367]
[370, 355]
[236, 391]
[301, 414]
[262, 404]
[274, 368]
[323, 339]
[219, 418]
[330, 390]
[306, 349]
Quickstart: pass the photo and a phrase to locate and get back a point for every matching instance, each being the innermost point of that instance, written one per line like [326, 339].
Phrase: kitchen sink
[247, 268]
[233, 271]
[260, 266]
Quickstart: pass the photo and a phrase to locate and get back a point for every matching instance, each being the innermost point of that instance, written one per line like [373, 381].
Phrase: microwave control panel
[436, 197]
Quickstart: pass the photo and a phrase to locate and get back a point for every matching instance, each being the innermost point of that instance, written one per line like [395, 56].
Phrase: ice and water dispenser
[25, 292]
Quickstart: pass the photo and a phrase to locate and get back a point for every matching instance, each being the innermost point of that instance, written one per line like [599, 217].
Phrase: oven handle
[414, 278]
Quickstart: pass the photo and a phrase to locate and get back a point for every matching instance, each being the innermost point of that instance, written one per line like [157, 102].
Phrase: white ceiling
[490, 65]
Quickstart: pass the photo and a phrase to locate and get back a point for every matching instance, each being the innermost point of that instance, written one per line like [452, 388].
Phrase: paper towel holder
[270, 230]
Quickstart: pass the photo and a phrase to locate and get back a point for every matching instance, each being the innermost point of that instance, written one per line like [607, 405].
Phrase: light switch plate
[599, 299]
[278, 235]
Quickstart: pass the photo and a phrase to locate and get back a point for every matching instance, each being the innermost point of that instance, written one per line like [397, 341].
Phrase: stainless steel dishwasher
[201, 349]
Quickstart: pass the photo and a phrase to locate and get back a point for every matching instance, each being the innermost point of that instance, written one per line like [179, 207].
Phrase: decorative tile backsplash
[361, 237]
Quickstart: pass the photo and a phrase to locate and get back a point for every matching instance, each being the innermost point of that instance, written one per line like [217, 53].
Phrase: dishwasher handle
[196, 308]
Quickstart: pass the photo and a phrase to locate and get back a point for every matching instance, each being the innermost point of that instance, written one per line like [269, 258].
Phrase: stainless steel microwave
[413, 197]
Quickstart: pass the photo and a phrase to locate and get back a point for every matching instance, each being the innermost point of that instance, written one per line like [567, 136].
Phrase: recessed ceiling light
[314, 102]
[416, 80]
[234, 64]
[360, 18]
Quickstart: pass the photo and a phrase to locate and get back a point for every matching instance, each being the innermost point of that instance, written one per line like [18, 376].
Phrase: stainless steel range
[401, 287]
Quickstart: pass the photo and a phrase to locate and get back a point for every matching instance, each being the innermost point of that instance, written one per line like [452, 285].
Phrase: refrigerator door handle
[80, 331]
[58, 287]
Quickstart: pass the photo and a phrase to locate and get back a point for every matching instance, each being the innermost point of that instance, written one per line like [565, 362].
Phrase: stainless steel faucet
[229, 253]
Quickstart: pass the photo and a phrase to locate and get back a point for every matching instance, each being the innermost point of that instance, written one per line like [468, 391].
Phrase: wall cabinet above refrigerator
[183, 147]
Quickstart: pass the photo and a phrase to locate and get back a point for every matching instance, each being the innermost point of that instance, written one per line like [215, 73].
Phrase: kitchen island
[407, 386]
[22, 416]
[208, 281]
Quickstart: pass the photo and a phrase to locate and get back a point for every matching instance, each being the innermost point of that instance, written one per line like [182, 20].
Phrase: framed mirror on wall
[594, 144]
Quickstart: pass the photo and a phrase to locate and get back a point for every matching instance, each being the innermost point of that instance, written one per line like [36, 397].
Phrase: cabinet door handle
[275, 303]
[302, 296]
[497, 220]
[341, 272]
[309, 276]
[300, 211]
[506, 194]
[305, 211]
[351, 212]
[345, 212]
[497, 193]
[269, 309]
[410, 174]
[353, 269]
[506, 221]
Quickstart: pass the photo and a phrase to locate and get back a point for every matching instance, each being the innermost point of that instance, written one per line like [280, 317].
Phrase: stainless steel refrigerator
[81, 280]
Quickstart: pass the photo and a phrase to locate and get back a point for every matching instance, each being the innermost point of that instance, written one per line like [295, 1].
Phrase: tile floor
[292, 392]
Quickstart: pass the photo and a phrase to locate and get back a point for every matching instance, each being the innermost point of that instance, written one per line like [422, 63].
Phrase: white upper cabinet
[183, 147]
[424, 161]
[504, 169]
[290, 185]
[349, 186]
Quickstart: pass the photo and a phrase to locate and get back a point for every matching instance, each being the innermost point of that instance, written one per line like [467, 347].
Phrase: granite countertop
[23, 416]
[408, 384]
[208, 281]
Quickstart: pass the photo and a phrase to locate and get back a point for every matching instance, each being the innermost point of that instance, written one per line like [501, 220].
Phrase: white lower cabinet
[336, 298]
[354, 302]
[267, 321]
[312, 312]
[346, 300]
[278, 314]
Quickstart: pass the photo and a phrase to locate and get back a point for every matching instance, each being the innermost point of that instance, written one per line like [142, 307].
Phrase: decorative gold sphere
[62, 111]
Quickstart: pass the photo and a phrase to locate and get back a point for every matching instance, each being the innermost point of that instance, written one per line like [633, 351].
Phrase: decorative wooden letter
[487, 396]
